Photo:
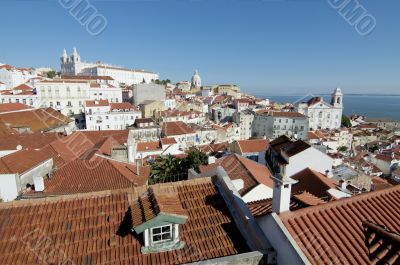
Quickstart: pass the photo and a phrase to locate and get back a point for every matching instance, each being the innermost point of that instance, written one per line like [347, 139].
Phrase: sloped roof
[28, 140]
[291, 148]
[238, 167]
[22, 161]
[153, 205]
[97, 103]
[148, 146]
[121, 105]
[313, 182]
[253, 146]
[7, 107]
[80, 176]
[337, 228]
[36, 119]
[297, 202]
[176, 128]
[95, 228]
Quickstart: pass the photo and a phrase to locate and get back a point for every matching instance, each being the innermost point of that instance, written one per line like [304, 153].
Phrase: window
[161, 234]
[24, 101]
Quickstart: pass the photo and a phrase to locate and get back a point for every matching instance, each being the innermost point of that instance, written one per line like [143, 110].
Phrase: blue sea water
[372, 106]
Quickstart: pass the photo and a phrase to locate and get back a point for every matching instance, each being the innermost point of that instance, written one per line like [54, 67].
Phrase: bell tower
[337, 98]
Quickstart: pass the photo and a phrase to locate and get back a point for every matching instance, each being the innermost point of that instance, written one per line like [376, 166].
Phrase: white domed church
[196, 80]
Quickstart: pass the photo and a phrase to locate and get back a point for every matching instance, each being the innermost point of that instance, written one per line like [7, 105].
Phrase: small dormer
[157, 218]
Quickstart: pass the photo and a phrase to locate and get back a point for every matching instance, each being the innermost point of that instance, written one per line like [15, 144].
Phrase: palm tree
[165, 170]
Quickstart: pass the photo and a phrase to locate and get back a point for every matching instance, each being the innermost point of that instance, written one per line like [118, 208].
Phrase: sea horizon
[371, 105]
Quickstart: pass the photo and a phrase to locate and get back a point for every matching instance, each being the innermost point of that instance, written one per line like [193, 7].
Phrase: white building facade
[244, 119]
[101, 115]
[72, 65]
[12, 77]
[66, 96]
[323, 115]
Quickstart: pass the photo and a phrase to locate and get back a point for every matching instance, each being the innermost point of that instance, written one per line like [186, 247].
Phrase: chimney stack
[281, 193]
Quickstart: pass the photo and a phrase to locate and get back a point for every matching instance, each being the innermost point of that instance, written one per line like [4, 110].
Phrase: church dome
[196, 79]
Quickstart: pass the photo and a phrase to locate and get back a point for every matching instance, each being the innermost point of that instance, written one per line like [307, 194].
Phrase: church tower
[337, 98]
[75, 58]
[64, 57]
[196, 80]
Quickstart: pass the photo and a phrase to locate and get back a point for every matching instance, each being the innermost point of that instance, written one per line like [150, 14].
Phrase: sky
[269, 47]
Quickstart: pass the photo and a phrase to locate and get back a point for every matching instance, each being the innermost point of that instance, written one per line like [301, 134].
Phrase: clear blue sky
[270, 47]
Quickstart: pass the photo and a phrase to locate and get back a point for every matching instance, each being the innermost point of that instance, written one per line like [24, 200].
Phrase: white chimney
[211, 159]
[137, 167]
[131, 143]
[281, 193]
[39, 183]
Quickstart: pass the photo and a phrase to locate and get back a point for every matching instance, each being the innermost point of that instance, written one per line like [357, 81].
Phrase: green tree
[342, 149]
[164, 170]
[195, 158]
[171, 169]
[346, 121]
[51, 74]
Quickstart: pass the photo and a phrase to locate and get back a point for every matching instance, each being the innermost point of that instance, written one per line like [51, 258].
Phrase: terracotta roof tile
[37, 119]
[176, 128]
[297, 202]
[238, 167]
[338, 228]
[313, 182]
[80, 176]
[31, 140]
[148, 146]
[253, 146]
[96, 228]
[24, 160]
[7, 107]
[97, 103]
[122, 105]
[168, 141]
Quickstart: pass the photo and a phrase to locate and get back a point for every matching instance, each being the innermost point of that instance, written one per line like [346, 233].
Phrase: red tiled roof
[297, 202]
[313, 182]
[22, 87]
[286, 114]
[36, 119]
[29, 140]
[284, 144]
[123, 105]
[384, 157]
[86, 77]
[337, 228]
[97, 103]
[7, 107]
[80, 176]
[148, 146]
[238, 167]
[85, 144]
[96, 228]
[314, 101]
[253, 146]
[151, 204]
[176, 128]
[168, 141]
[24, 160]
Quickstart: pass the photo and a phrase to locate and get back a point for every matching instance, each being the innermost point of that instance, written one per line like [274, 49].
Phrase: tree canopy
[171, 169]
[346, 121]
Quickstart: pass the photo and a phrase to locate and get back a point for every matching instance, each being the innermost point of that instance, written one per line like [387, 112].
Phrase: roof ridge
[353, 199]
[61, 198]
